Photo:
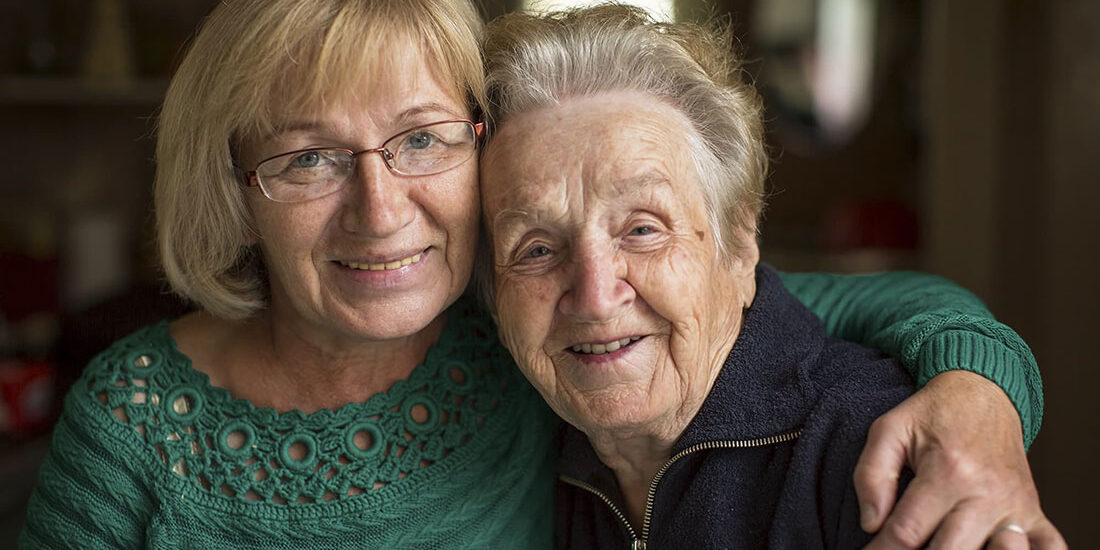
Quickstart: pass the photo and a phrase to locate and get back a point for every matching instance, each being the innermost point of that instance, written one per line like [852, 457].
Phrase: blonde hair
[537, 61]
[253, 63]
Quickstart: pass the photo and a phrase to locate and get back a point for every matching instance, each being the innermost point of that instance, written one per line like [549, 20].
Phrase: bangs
[252, 67]
[310, 69]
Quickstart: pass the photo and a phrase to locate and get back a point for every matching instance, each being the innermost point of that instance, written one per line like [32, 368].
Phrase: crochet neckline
[451, 331]
[227, 448]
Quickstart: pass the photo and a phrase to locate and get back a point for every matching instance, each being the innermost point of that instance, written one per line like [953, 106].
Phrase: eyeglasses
[319, 171]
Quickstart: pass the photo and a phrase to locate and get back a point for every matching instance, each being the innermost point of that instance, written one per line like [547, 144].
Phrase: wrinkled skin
[575, 265]
[600, 234]
[962, 437]
[610, 290]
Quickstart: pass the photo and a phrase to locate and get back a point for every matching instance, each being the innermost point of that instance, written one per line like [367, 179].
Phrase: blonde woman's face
[386, 254]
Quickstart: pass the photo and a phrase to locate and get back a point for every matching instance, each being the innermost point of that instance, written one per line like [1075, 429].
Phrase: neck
[278, 366]
[635, 458]
[637, 452]
[327, 374]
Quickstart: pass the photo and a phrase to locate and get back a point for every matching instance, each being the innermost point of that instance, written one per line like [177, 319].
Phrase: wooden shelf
[75, 92]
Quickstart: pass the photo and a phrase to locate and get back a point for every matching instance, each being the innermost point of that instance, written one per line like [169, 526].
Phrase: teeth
[600, 349]
[396, 264]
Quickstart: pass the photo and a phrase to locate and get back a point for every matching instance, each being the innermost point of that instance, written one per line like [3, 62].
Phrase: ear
[744, 259]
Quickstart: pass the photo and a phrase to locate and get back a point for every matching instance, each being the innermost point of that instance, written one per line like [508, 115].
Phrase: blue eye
[307, 160]
[420, 140]
[642, 230]
[538, 252]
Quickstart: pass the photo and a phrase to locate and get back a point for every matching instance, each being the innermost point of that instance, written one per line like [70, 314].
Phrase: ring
[1015, 528]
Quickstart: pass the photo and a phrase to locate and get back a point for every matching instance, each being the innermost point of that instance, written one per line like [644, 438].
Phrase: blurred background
[953, 137]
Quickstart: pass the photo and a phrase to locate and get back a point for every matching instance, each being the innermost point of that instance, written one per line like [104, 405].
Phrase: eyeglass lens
[421, 151]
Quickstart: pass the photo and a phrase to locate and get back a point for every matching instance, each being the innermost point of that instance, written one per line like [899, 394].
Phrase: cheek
[672, 280]
[455, 207]
[289, 233]
[526, 310]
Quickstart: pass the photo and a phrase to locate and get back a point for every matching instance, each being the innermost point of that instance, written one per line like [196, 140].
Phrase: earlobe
[746, 258]
[750, 257]
[747, 254]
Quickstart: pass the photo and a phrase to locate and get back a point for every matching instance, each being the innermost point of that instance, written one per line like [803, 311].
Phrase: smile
[600, 349]
[383, 266]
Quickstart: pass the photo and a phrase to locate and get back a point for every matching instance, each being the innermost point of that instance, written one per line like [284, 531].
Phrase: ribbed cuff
[992, 359]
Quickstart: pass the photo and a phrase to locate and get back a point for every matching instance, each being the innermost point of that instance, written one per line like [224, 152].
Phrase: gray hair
[537, 61]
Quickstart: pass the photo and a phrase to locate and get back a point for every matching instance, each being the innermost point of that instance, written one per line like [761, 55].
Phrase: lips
[383, 266]
[609, 347]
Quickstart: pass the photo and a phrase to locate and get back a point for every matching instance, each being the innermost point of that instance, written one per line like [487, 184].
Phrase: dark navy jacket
[783, 377]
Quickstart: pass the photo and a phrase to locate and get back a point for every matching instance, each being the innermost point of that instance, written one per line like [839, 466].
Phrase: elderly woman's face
[609, 289]
[386, 254]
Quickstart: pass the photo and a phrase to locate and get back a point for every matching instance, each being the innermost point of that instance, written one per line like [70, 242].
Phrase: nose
[378, 201]
[599, 290]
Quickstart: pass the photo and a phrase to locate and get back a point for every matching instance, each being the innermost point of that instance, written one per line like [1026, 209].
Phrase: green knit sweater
[148, 454]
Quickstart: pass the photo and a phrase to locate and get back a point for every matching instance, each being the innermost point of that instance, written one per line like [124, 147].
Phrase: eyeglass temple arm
[251, 179]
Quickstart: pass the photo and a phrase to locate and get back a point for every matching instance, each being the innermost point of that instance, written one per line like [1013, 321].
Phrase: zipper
[635, 542]
[706, 446]
[639, 543]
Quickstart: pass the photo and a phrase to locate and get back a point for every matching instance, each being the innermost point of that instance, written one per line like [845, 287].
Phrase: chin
[377, 322]
[617, 410]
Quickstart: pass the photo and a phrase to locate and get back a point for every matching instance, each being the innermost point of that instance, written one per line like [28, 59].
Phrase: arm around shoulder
[931, 325]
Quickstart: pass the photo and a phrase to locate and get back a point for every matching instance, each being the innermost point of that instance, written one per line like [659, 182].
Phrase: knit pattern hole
[229, 449]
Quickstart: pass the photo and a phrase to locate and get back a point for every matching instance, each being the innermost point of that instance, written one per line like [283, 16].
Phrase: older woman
[621, 193]
[317, 197]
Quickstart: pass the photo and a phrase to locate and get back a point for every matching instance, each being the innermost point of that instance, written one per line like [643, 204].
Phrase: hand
[962, 437]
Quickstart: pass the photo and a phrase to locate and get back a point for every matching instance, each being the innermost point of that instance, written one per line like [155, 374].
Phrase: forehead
[398, 73]
[605, 144]
[402, 75]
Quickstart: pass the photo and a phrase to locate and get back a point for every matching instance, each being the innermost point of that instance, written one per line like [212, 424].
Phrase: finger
[921, 509]
[1008, 539]
[876, 473]
[967, 527]
[1044, 536]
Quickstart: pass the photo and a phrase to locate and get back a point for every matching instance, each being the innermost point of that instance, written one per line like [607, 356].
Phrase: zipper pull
[638, 544]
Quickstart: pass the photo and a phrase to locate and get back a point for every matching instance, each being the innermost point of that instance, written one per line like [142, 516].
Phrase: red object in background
[871, 224]
[26, 396]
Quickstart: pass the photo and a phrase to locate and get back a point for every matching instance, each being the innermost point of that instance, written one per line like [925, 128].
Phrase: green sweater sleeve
[931, 325]
[88, 495]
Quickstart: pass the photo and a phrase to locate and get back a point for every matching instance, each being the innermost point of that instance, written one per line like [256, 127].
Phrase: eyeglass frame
[252, 177]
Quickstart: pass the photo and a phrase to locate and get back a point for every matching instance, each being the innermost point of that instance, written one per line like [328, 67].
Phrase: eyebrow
[509, 217]
[646, 180]
[627, 186]
[403, 120]
[408, 115]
